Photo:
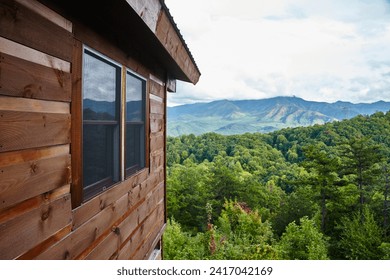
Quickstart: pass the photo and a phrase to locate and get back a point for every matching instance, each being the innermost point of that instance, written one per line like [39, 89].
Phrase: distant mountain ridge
[262, 115]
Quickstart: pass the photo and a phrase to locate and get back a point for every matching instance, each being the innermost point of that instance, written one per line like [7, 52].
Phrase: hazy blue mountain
[263, 115]
[105, 110]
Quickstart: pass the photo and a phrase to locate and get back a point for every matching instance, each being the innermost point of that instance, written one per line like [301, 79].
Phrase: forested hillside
[229, 117]
[318, 192]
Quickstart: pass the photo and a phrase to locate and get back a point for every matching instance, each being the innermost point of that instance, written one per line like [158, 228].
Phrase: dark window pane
[135, 147]
[100, 88]
[101, 103]
[100, 154]
[134, 98]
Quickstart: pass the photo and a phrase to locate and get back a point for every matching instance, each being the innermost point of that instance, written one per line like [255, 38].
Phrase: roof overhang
[145, 30]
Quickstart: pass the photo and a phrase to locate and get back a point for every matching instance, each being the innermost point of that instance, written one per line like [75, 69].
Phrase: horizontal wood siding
[21, 130]
[35, 121]
[32, 29]
[40, 89]
[27, 79]
[28, 179]
[21, 232]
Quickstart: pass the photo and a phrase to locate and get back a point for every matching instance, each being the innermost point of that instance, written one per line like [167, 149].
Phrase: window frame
[77, 187]
[97, 187]
[129, 171]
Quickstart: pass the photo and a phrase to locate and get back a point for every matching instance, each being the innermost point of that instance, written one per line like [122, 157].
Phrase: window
[103, 92]
[135, 123]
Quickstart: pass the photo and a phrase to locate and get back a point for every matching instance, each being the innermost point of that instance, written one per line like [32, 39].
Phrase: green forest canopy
[318, 192]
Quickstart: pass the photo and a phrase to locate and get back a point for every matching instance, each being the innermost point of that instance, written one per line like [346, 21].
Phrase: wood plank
[154, 252]
[20, 130]
[156, 89]
[134, 240]
[156, 125]
[106, 248]
[168, 36]
[41, 247]
[156, 98]
[171, 85]
[91, 232]
[157, 80]
[154, 223]
[77, 125]
[156, 117]
[24, 232]
[152, 200]
[120, 231]
[148, 11]
[125, 226]
[26, 180]
[17, 157]
[32, 105]
[92, 207]
[26, 53]
[32, 203]
[157, 161]
[157, 142]
[47, 13]
[20, 24]
[143, 252]
[23, 78]
[156, 107]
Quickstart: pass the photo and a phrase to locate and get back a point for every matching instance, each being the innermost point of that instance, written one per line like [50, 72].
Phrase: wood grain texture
[22, 233]
[157, 142]
[32, 203]
[15, 49]
[32, 105]
[131, 242]
[41, 247]
[18, 157]
[21, 130]
[126, 213]
[156, 88]
[27, 79]
[77, 125]
[31, 29]
[92, 207]
[26, 180]
[47, 13]
[168, 36]
[88, 234]
[157, 160]
[156, 107]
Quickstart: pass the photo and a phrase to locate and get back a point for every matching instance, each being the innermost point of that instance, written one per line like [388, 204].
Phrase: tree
[323, 166]
[180, 245]
[360, 241]
[241, 234]
[303, 242]
[362, 158]
[188, 191]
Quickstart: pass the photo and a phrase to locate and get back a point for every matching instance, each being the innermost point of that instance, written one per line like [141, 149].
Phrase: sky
[319, 50]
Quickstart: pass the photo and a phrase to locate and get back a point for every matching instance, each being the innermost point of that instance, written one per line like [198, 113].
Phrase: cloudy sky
[321, 50]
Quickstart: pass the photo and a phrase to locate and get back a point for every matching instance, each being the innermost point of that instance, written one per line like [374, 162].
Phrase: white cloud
[318, 50]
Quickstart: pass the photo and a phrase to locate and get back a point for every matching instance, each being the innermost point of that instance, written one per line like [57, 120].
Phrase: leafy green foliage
[303, 242]
[360, 237]
[308, 188]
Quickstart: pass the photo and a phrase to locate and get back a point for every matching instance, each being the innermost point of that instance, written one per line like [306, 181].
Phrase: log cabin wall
[42, 215]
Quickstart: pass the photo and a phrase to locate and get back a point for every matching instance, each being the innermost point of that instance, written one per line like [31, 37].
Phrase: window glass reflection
[99, 88]
[134, 100]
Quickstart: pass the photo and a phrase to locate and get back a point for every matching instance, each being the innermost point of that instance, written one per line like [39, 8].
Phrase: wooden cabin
[83, 91]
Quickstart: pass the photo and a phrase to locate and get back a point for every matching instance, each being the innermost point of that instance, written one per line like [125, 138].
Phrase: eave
[144, 29]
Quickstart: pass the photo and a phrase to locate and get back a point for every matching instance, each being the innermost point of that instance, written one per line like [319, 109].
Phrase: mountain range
[262, 115]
